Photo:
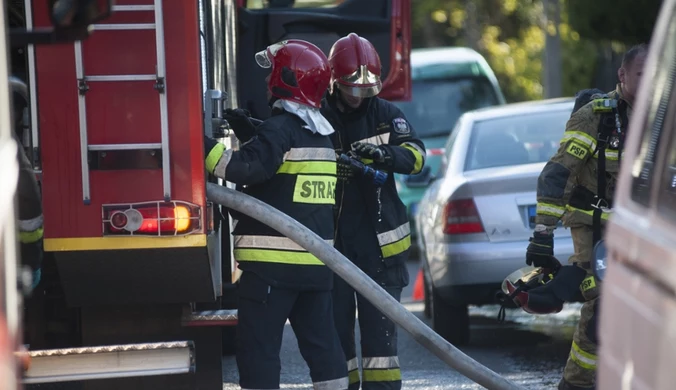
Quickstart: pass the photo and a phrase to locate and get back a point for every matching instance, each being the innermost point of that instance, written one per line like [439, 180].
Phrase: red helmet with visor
[300, 71]
[355, 66]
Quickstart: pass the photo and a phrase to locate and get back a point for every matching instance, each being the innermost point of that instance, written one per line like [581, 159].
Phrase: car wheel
[427, 299]
[450, 321]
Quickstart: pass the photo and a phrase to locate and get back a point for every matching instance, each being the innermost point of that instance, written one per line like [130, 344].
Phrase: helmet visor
[361, 83]
[264, 57]
[363, 92]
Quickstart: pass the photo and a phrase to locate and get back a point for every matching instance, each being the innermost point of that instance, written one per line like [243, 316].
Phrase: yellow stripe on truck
[112, 243]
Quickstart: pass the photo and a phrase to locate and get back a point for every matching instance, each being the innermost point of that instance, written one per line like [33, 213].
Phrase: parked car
[637, 347]
[447, 82]
[474, 220]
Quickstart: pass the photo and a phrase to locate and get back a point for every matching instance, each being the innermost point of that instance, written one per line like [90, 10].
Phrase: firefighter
[577, 186]
[289, 164]
[372, 227]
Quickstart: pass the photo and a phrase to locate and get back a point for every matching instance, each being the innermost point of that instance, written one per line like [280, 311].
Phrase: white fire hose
[361, 282]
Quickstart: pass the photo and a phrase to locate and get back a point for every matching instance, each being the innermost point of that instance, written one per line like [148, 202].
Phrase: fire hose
[361, 282]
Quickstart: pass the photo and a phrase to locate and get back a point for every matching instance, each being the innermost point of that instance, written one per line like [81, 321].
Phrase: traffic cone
[419, 287]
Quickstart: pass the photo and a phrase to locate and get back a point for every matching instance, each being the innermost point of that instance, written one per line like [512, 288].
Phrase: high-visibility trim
[604, 214]
[379, 139]
[115, 243]
[577, 150]
[394, 234]
[588, 283]
[610, 155]
[584, 139]
[222, 165]
[315, 189]
[29, 225]
[366, 161]
[549, 209]
[380, 362]
[389, 375]
[333, 384]
[308, 167]
[396, 247]
[352, 364]
[271, 249]
[304, 154]
[353, 377]
[583, 359]
[419, 156]
[31, 237]
[214, 155]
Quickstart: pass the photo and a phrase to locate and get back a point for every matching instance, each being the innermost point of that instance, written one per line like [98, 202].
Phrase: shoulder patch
[401, 126]
[603, 105]
[577, 150]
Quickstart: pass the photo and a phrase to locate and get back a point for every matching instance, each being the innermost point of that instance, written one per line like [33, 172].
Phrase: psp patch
[401, 126]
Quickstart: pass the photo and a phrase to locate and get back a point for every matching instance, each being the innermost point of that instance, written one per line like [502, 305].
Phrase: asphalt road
[529, 350]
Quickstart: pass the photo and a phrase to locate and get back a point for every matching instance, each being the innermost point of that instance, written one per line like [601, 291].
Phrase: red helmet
[355, 66]
[300, 71]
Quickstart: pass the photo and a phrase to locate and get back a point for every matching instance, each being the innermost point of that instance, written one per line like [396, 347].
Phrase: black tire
[427, 311]
[450, 321]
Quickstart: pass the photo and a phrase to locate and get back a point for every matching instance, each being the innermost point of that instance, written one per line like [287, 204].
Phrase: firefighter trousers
[580, 371]
[263, 311]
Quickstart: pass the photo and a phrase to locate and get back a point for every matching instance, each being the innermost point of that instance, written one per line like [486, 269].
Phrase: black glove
[240, 123]
[540, 252]
[344, 171]
[370, 151]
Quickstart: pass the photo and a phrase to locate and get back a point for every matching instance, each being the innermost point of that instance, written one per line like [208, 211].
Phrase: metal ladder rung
[123, 77]
[118, 8]
[98, 148]
[124, 26]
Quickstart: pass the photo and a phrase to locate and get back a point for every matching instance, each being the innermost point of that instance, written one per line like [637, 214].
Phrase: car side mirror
[599, 260]
[421, 179]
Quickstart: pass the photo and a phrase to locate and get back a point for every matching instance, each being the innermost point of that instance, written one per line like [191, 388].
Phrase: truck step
[110, 361]
[211, 318]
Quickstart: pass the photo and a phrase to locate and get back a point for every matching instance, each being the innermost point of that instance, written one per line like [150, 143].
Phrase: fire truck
[138, 284]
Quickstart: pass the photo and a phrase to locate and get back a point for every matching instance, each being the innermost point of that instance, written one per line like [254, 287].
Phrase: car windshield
[516, 139]
[437, 104]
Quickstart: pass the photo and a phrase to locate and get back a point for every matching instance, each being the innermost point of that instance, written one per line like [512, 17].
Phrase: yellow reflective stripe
[549, 209]
[308, 167]
[274, 256]
[353, 376]
[389, 375]
[303, 154]
[396, 247]
[315, 189]
[214, 155]
[394, 235]
[584, 138]
[31, 237]
[581, 358]
[588, 283]
[124, 242]
[610, 155]
[366, 161]
[419, 157]
[604, 214]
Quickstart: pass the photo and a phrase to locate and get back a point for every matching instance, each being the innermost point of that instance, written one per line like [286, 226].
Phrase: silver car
[475, 220]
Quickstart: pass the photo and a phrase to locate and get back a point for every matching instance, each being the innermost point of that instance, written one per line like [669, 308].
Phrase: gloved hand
[240, 123]
[540, 252]
[344, 171]
[213, 150]
[370, 151]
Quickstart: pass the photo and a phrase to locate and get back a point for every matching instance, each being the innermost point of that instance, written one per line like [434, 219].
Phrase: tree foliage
[628, 21]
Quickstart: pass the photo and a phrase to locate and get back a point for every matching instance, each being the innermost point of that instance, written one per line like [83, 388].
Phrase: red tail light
[462, 217]
[152, 218]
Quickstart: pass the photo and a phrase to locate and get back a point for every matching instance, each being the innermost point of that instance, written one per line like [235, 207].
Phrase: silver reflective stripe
[416, 147]
[269, 242]
[305, 154]
[333, 384]
[219, 171]
[394, 235]
[352, 364]
[30, 225]
[371, 363]
[380, 139]
[549, 209]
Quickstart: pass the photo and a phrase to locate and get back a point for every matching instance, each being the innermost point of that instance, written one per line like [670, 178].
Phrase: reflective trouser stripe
[419, 156]
[29, 225]
[273, 249]
[581, 358]
[549, 209]
[333, 384]
[352, 371]
[381, 362]
[31, 237]
[604, 214]
[395, 241]
[382, 375]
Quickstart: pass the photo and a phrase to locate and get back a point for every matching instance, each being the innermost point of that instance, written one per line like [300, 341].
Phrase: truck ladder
[160, 86]
[110, 361]
[211, 318]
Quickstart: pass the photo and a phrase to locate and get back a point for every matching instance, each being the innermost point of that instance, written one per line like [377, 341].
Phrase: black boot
[563, 385]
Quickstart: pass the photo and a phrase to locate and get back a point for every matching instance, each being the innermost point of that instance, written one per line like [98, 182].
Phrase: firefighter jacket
[294, 171]
[378, 122]
[30, 215]
[572, 171]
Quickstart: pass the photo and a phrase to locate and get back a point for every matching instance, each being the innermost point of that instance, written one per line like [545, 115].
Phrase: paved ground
[528, 350]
